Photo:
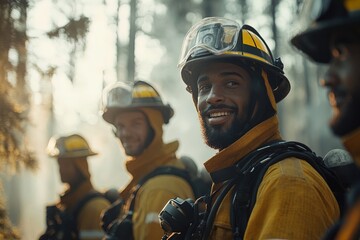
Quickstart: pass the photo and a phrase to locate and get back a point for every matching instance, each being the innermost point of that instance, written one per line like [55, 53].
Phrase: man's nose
[216, 95]
[329, 79]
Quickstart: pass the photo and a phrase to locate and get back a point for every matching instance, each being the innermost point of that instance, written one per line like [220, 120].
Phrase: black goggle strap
[243, 197]
[224, 189]
[240, 205]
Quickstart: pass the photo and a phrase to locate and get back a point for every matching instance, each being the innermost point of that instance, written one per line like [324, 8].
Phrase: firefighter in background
[138, 114]
[77, 215]
[333, 38]
[236, 84]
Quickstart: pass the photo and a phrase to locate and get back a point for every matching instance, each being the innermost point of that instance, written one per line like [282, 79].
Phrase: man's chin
[342, 126]
[218, 138]
[131, 152]
[346, 118]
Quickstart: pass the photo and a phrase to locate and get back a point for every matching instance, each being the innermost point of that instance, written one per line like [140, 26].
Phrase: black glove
[59, 225]
[110, 214]
[120, 229]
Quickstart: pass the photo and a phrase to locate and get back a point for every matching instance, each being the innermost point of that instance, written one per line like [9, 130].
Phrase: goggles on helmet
[123, 96]
[213, 34]
[117, 95]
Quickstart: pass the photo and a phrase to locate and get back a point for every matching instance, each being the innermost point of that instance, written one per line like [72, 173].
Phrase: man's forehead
[222, 68]
[131, 114]
[345, 35]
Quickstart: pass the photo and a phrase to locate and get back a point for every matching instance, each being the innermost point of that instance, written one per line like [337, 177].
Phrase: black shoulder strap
[245, 191]
[91, 195]
[163, 170]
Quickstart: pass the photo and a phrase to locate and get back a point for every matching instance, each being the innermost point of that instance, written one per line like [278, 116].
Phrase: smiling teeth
[219, 114]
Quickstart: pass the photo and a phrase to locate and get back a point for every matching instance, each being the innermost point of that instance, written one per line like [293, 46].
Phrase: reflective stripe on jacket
[150, 200]
[88, 220]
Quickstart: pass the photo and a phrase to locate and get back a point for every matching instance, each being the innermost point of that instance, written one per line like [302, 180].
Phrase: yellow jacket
[293, 200]
[351, 223]
[157, 191]
[152, 197]
[88, 220]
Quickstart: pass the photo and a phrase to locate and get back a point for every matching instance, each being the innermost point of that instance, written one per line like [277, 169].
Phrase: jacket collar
[259, 135]
[141, 165]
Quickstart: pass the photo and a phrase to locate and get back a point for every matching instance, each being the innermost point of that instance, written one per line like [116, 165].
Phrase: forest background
[57, 56]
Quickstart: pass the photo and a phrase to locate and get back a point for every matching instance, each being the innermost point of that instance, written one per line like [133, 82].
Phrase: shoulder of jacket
[97, 202]
[292, 167]
[165, 181]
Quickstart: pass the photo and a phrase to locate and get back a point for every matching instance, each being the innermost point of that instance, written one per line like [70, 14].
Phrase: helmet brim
[77, 154]
[314, 41]
[278, 81]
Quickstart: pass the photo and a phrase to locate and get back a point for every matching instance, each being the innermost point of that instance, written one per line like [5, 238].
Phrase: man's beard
[219, 138]
[141, 148]
[349, 118]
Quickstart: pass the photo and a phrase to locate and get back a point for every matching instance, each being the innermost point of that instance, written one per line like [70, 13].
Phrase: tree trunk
[132, 36]
[20, 44]
[118, 44]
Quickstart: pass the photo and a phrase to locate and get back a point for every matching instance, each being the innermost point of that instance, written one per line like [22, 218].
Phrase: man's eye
[339, 51]
[232, 84]
[138, 123]
[203, 87]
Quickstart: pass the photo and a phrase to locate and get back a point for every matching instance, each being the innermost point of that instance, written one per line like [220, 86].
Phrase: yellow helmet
[326, 16]
[73, 146]
[215, 38]
[122, 97]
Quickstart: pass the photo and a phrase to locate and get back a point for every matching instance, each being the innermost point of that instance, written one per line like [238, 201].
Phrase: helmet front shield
[117, 95]
[123, 97]
[214, 35]
[221, 39]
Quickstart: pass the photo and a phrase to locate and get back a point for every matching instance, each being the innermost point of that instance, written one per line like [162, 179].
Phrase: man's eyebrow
[202, 78]
[139, 119]
[230, 73]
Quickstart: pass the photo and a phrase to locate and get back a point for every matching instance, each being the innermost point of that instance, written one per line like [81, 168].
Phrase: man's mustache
[216, 107]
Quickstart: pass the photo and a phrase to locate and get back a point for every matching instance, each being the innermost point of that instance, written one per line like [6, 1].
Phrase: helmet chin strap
[251, 111]
[259, 105]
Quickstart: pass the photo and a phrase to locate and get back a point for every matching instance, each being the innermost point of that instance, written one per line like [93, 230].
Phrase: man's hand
[110, 214]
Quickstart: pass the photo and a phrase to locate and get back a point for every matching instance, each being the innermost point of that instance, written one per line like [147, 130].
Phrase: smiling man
[138, 114]
[235, 85]
[333, 38]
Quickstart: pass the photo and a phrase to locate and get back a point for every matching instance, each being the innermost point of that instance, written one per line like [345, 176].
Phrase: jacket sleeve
[151, 199]
[89, 219]
[293, 202]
